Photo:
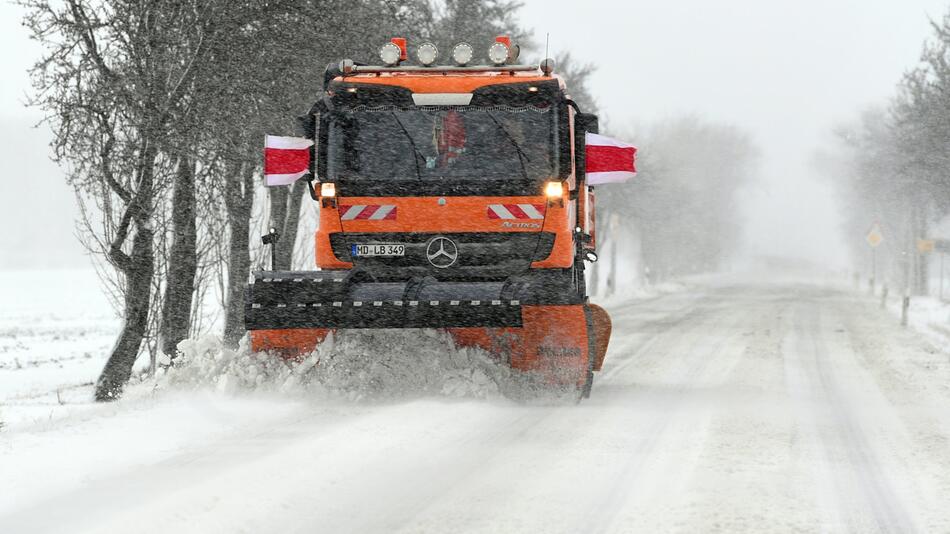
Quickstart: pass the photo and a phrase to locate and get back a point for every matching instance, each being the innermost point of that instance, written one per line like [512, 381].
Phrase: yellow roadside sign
[874, 237]
[925, 246]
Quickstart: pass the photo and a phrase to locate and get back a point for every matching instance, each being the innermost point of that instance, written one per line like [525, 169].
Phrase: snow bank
[927, 315]
[352, 365]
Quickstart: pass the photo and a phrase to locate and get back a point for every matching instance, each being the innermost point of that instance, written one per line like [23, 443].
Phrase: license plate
[378, 250]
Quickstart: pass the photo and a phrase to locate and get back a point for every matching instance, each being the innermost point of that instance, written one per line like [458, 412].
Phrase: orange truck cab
[450, 197]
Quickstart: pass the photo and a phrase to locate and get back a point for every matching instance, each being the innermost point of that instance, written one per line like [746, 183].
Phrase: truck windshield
[442, 143]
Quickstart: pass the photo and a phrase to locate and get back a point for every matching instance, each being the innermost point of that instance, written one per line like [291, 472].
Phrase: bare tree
[110, 83]
[892, 166]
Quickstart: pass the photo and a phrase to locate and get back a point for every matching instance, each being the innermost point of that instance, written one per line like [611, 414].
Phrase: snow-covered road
[728, 408]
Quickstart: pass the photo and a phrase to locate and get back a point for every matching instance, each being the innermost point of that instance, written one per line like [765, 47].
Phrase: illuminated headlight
[498, 53]
[390, 54]
[327, 189]
[427, 54]
[462, 54]
[554, 190]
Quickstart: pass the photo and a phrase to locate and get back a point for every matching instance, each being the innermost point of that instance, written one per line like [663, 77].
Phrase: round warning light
[498, 53]
[390, 53]
[427, 54]
[462, 54]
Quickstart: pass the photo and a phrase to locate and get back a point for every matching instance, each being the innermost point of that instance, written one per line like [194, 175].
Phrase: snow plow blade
[331, 299]
[529, 323]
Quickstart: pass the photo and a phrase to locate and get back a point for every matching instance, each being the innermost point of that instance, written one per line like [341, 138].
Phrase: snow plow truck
[451, 197]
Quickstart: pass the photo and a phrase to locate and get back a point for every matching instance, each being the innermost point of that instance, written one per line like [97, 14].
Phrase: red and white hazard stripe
[368, 212]
[516, 211]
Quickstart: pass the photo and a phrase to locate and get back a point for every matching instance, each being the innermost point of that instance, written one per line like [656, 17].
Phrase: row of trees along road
[893, 167]
[159, 110]
[679, 215]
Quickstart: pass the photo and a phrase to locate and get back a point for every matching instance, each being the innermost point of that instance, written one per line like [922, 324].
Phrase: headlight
[427, 54]
[327, 189]
[390, 54]
[462, 54]
[498, 53]
[554, 190]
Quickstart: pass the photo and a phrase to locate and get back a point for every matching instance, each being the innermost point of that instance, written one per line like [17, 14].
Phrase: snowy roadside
[927, 315]
[637, 291]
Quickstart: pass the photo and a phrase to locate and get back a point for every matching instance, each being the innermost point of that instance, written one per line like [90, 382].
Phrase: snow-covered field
[56, 327]
[723, 407]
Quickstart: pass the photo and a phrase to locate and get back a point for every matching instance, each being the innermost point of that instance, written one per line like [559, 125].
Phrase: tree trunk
[278, 215]
[138, 269]
[239, 206]
[923, 260]
[285, 217]
[614, 235]
[182, 261]
[291, 223]
[118, 368]
[612, 275]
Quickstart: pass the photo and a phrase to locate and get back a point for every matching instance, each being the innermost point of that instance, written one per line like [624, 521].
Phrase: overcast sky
[786, 72]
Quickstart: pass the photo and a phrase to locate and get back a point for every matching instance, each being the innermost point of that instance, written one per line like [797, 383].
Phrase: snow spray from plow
[370, 365]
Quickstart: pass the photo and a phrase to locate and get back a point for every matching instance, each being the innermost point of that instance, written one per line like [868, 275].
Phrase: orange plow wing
[564, 344]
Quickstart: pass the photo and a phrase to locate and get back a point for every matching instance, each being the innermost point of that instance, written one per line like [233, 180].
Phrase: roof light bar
[375, 69]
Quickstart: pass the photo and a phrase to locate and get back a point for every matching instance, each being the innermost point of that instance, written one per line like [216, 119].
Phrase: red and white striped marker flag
[609, 161]
[286, 159]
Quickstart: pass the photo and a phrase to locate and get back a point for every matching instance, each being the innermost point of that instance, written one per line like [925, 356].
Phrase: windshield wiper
[521, 155]
[412, 142]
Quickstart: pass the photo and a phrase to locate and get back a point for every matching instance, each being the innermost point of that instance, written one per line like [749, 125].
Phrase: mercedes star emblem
[442, 252]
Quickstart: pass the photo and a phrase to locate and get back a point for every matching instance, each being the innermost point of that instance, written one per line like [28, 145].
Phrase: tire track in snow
[686, 335]
[862, 488]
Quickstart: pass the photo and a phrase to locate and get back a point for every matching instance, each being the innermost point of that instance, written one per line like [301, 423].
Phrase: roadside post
[884, 296]
[904, 307]
[924, 247]
[874, 238]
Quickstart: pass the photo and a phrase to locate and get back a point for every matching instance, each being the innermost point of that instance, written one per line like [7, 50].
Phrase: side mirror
[583, 123]
[586, 122]
[321, 124]
[306, 126]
